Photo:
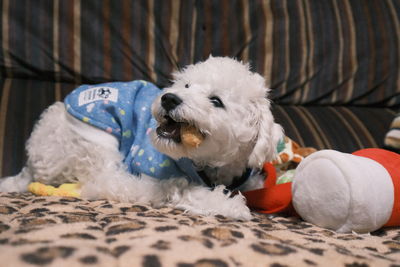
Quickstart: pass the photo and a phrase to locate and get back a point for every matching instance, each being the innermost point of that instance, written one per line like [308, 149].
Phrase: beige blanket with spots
[54, 231]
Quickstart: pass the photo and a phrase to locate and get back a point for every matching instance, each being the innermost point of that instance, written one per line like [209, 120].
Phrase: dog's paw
[18, 183]
[203, 201]
[12, 184]
[236, 208]
[6, 185]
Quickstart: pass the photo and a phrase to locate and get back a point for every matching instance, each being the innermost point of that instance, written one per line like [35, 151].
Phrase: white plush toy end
[346, 192]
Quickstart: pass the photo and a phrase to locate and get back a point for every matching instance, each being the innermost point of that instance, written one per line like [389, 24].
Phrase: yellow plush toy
[64, 190]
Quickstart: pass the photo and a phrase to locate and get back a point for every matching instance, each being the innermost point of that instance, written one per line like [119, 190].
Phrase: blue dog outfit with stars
[123, 109]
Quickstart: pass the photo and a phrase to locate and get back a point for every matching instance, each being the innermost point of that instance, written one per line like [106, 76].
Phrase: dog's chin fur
[241, 134]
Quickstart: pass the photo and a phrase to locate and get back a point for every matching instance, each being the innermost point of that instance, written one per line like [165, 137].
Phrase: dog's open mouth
[170, 129]
[180, 132]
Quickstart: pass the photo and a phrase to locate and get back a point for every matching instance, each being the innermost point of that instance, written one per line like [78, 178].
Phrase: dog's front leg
[205, 201]
[119, 185]
[176, 193]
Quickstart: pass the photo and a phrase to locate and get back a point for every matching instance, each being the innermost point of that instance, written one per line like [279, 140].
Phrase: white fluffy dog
[220, 97]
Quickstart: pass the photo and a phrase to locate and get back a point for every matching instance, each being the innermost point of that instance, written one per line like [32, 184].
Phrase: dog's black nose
[170, 101]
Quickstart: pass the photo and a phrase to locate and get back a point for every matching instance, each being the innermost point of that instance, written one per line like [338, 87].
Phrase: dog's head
[228, 105]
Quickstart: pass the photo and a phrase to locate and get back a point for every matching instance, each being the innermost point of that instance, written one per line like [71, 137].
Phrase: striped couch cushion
[342, 128]
[333, 65]
[311, 52]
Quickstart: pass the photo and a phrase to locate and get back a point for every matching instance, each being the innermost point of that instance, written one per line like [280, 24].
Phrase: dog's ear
[268, 137]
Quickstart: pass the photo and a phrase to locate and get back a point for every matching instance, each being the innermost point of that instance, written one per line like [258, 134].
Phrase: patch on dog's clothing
[123, 109]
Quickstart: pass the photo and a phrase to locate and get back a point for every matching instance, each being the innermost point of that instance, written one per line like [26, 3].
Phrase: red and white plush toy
[357, 192]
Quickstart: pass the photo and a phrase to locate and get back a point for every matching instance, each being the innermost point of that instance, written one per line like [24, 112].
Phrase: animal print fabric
[59, 231]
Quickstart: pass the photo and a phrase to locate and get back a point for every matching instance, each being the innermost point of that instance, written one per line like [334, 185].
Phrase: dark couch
[333, 67]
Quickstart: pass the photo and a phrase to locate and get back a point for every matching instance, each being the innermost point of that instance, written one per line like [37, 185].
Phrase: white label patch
[97, 94]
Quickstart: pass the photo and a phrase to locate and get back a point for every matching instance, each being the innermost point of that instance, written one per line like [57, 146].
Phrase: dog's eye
[216, 101]
[187, 85]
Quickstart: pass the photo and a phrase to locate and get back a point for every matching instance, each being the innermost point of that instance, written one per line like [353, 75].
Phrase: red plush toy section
[273, 198]
[391, 162]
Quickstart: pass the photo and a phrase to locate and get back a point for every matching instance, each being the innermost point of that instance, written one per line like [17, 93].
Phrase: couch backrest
[311, 52]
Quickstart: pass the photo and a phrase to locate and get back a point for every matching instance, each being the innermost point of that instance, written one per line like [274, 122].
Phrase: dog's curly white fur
[239, 131]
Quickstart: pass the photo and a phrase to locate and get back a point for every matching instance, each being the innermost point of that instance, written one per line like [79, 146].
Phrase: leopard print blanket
[60, 231]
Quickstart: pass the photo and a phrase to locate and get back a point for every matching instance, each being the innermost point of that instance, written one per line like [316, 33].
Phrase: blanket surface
[61, 231]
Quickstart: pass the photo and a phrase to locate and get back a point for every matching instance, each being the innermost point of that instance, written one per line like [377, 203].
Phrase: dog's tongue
[170, 130]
